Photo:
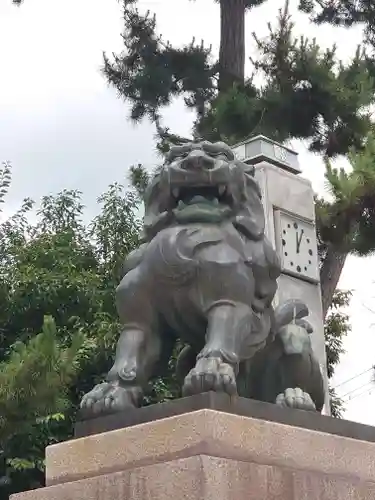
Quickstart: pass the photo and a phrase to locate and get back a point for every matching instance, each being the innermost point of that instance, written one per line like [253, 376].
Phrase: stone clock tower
[288, 201]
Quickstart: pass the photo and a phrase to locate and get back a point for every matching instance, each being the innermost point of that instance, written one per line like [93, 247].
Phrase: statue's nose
[197, 160]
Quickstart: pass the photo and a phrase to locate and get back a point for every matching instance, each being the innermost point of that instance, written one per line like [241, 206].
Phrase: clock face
[297, 246]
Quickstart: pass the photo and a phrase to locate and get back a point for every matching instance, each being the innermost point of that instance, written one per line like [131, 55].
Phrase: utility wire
[356, 389]
[363, 393]
[355, 376]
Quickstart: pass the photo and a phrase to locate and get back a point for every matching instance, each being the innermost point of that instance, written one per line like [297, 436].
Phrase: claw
[109, 398]
[107, 402]
[210, 374]
[296, 398]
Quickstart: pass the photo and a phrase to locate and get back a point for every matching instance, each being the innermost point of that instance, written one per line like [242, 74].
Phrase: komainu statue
[207, 274]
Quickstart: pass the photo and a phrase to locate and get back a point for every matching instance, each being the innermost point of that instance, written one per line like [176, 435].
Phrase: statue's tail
[292, 311]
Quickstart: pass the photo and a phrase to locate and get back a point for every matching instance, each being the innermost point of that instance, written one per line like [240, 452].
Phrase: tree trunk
[232, 43]
[330, 273]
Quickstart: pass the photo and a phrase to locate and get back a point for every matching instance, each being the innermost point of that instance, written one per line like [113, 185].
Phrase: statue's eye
[180, 156]
[174, 158]
[221, 156]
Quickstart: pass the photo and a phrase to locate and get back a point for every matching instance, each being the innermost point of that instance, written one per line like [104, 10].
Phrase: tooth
[175, 192]
[215, 201]
[180, 204]
[222, 189]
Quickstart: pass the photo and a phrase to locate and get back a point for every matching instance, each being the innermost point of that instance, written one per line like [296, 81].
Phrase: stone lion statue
[207, 274]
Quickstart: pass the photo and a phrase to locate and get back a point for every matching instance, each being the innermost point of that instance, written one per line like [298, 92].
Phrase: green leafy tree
[56, 267]
[336, 327]
[34, 371]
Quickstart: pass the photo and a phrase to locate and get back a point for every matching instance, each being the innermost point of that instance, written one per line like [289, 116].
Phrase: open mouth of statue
[200, 195]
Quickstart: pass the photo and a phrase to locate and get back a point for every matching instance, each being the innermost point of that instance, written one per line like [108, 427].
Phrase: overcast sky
[62, 127]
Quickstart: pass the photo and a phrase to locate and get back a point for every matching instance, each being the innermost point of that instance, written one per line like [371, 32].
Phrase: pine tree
[307, 92]
[34, 377]
[231, 64]
[346, 225]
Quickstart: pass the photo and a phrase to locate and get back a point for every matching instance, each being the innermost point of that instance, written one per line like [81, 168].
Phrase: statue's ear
[250, 221]
[156, 201]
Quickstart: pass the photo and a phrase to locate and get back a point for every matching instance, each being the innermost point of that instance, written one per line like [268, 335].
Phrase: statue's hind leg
[138, 350]
[287, 373]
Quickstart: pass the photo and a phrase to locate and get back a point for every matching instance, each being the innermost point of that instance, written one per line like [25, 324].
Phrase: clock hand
[299, 240]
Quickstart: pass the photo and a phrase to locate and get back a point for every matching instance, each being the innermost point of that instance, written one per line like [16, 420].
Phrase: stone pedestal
[245, 450]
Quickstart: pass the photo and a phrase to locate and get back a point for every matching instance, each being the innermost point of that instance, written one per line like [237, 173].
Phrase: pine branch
[34, 378]
[150, 72]
[307, 94]
[139, 179]
[165, 139]
[348, 222]
[345, 13]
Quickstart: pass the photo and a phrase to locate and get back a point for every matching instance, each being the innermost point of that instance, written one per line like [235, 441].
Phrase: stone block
[204, 477]
[212, 433]
[207, 454]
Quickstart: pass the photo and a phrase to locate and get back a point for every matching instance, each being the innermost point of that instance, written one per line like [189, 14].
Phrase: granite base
[209, 454]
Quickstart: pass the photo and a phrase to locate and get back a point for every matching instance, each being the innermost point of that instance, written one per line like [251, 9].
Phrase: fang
[222, 190]
[175, 192]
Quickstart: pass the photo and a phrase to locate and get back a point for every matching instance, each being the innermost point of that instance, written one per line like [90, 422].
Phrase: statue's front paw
[109, 397]
[210, 374]
[296, 398]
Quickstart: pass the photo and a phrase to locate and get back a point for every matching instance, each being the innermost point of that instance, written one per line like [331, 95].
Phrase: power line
[356, 389]
[355, 376]
[363, 393]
